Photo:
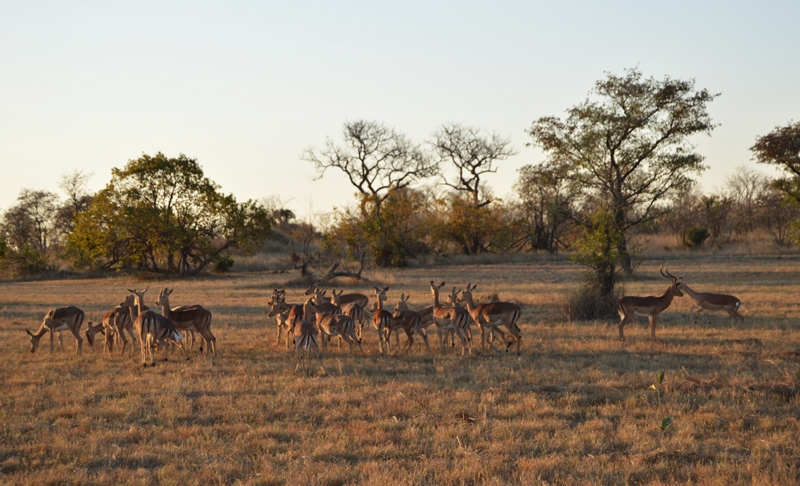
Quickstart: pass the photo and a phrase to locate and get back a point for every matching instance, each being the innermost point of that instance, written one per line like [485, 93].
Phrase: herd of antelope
[132, 315]
[320, 317]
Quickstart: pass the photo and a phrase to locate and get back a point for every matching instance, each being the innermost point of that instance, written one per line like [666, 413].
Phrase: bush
[695, 236]
[223, 264]
[587, 303]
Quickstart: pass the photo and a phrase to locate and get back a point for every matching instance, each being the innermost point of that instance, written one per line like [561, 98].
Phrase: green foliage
[665, 422]
[781, 147]
[24, 261]
[161, 214]
[223, 264]
[696, 235]
[471, 228]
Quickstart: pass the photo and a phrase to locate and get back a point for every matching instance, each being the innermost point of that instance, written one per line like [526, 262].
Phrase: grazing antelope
[712, 302]
[489, 316]
[189, 318]
[154, 328]
[337, 325]
[57, 320]
[362, 299]
[647, 306]
[451, 317]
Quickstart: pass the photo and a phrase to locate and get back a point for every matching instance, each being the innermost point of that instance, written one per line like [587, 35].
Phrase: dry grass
[575, 408]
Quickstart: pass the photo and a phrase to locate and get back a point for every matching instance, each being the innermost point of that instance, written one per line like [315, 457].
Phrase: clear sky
[244, 87]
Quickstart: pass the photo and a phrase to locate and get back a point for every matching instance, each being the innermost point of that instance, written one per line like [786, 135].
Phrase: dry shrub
[586, 303]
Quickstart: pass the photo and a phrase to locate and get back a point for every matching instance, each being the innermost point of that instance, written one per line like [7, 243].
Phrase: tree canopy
[162, 214]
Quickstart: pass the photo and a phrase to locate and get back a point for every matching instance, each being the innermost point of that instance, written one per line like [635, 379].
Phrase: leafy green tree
[161, 214]
[547, 201]
[781, 148]
[627, 149]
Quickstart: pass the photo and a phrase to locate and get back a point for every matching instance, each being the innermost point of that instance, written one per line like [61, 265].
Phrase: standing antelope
[648, 306]
[362, 299]
[189, 318]
[337, 325]
[154, 328]
[713, 302]
[57, 320]
[489, 316]
[352, 309]
[305, 341]
[451, 317]
[382, 319]
[115, 322]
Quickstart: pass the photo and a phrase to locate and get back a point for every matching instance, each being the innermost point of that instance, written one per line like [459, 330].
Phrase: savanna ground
[575, 408]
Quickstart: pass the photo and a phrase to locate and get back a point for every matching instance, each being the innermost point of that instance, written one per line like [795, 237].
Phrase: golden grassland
[575, 408]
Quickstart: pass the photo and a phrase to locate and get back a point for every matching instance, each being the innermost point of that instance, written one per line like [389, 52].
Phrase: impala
[352, 309]
[382, 319]
[450, 317]
[305, 341]
[189, 318]
[57, 320]
[154, 328]
[362, 299]
[647, 306]
[337, 325]
[489, 316]
[115, 322]
[713, 302]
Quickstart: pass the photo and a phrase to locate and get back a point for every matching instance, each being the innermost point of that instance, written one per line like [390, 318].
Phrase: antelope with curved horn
[57, 320]
[712, 302]
[648, 306]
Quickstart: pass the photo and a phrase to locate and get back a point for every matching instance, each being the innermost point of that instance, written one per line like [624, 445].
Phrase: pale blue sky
[244, 87]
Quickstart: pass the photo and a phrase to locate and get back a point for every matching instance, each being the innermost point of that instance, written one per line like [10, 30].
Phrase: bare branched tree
[472, 151]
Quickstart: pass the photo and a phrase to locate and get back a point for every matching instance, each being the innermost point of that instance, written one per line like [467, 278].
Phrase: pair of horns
[668, 275]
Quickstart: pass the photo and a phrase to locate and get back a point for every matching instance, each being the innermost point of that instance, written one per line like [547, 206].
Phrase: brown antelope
[450, 317]
[489, 316]
[57, 320]
[154, 328]
[337, 325]
[189, 318]
[362, 299]
[712, 302]
[647, 306]
[381, 319]
[115, 323]
[305, 341]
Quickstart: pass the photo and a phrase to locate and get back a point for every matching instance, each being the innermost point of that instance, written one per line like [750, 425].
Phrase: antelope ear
[442, 285]
[29, 333]
[474, 287]
[145, 290]
[131, 291]
[386, 289]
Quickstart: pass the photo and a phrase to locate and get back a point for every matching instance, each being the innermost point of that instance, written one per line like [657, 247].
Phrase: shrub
[223, 264]
[588, 303]
[695, 236]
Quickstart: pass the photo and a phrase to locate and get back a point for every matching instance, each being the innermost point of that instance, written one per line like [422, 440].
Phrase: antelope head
[675, 287]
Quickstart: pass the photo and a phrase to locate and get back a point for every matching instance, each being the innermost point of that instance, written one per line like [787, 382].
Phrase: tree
[78, 199]
[471, 152]
[30, 222]
[781, 147]
[378, 161]
[627, 150]
[163, 215]
[746, 188]
[546, 200]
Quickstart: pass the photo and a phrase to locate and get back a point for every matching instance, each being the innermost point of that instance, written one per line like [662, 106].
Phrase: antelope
[154, 328]
[712, 302]
[382, 319]
[450, 317]
[189, 318]
[352, 309]
[337, 325]
[57, 320]
[489, 316]
[362, 299]
[648, 306]
[115, 322]
[305, 341]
